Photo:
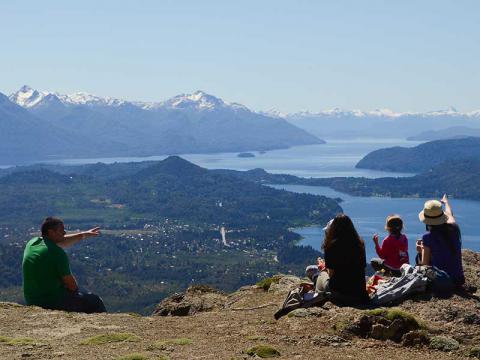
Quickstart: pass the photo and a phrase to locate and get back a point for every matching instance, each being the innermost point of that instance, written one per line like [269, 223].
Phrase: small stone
[394, 331]
[329, 340]
[316, 311]
[474, 352]
[379, 332]
[362, 327]
[299, 313]
[288, 339]
[415, 338]
[450, 314]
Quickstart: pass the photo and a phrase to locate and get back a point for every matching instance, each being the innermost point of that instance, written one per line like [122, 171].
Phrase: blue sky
[289, 55]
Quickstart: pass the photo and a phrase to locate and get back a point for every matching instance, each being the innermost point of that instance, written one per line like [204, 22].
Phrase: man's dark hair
[50, 223]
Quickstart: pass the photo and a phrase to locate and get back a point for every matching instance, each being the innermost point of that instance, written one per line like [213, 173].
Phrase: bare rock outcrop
[197, 298]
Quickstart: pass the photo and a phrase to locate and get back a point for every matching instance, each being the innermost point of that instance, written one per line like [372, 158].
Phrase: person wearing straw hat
[441, 246]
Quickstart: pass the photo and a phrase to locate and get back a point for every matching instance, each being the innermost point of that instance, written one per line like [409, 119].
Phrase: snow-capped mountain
[188, 123]
[386, 113]
[30, 98]
[197, 101]
[338, 123]
[25, 137]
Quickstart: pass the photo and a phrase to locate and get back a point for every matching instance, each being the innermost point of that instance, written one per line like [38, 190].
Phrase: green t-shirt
[44, 265]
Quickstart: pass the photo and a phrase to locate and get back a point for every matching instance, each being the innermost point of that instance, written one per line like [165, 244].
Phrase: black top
[348, 261]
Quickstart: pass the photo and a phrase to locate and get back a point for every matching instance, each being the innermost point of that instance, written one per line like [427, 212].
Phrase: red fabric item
[394, 251]
[373, 282]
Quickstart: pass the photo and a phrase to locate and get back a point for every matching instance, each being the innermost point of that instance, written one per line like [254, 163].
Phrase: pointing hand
[92, 232]
[444, 199]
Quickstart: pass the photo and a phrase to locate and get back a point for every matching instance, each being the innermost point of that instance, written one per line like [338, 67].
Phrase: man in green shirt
[47, 278]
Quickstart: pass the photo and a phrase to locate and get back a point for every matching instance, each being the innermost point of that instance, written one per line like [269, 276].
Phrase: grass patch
[377, 312]
[161, 345]
[110, 338]
[134, 314]
[133, 357]
[263, 351]
[17, 341]
[267, 282]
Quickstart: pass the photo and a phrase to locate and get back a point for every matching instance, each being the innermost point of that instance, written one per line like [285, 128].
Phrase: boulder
[197, 298]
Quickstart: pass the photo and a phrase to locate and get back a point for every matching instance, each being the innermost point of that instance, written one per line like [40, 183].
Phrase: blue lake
[369, 213]
[336, 158]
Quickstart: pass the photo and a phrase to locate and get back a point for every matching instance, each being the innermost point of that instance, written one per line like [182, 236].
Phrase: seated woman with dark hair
[344, 265]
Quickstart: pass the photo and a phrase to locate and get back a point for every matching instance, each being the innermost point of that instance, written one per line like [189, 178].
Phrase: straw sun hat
[432, 213]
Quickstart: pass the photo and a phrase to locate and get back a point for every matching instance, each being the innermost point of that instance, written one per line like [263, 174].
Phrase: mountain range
[384, 123]
[39, 125]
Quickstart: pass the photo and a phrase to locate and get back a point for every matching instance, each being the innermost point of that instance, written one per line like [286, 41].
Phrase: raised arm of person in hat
[448, 210]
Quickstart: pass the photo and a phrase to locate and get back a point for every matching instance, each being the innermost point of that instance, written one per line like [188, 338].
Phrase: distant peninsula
[422, 157]
[454, 132]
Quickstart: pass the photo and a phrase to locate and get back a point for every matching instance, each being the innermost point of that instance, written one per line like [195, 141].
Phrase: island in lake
[246, 155]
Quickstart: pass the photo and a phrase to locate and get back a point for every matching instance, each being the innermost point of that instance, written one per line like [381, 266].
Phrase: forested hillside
[161, 227]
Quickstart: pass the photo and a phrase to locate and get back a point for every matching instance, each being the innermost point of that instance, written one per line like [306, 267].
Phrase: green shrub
[263, 351]
[133, 357]
[444, 343]
[377, 312]
[267, 282]
[110, 338]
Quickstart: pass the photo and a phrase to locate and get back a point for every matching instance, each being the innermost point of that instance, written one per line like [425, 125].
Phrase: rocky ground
[212, 325]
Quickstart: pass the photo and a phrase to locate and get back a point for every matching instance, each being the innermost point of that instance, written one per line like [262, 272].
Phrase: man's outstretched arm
[71, 239]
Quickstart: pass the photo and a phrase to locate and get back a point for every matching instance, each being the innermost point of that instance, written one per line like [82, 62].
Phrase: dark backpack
[441, 283]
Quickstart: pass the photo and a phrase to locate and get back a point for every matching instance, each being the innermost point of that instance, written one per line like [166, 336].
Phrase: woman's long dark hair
[342, 230]
[448, 233]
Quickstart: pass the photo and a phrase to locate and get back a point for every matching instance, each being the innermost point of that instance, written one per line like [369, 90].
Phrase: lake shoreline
[369, 214]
